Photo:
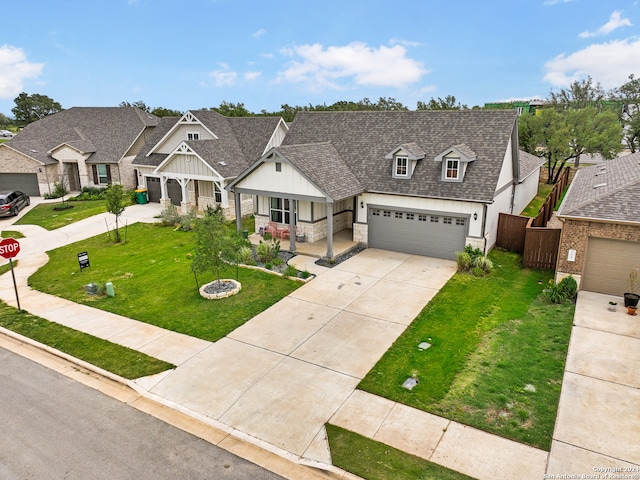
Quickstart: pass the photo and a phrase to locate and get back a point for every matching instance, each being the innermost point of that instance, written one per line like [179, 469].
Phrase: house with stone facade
[424, 182]
[81, 147]
[600, 239]
[190, 160]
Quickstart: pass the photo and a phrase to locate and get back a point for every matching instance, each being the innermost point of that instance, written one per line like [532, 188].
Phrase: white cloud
[251, 75]
[325, 67]
[259, 33]
[223, 78]
[609, 63]
[14, 69]
[615, 21]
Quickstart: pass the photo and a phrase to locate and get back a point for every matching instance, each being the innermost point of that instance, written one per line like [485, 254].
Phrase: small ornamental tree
[115, 198]
[214, 244]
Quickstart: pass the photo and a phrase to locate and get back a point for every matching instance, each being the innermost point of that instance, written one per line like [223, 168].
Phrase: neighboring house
[600, 239]
[81, 146]
[425, 182]
[190, 160]
[530, 166]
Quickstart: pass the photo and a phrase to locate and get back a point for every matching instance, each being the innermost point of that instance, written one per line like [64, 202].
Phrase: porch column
[184, 203]
[329, 230]
[236, 197]
[163, 189]
[224, 196]
[292, 225]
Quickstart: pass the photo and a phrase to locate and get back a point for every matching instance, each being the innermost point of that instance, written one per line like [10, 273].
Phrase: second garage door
[432, 235]
[155, 193]
[607, 265]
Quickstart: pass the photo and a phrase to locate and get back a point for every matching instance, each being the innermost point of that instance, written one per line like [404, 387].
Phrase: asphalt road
[55, 428]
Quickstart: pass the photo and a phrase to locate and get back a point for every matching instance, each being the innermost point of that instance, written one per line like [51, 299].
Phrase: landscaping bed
[497, 354]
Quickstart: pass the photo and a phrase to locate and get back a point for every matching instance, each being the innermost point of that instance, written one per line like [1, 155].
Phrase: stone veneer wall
[575, 235]
[315, 231]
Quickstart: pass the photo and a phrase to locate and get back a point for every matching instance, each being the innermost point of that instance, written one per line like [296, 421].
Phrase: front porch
[342, 242]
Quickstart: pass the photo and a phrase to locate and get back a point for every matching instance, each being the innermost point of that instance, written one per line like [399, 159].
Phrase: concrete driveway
[280, 377]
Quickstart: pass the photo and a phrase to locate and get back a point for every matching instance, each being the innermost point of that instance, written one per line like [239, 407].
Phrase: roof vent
[223, 163]
[600, 185]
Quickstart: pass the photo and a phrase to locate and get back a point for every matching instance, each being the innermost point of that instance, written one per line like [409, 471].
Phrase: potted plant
[631, 298]
[631, 310]
[612, 306]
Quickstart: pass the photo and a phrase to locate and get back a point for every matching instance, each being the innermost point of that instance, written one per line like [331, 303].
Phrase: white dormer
[454, 162]
[405, 157]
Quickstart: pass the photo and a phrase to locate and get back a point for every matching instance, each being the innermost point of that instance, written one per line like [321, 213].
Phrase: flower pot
[631, 299]
[631, 310]
[612, 306]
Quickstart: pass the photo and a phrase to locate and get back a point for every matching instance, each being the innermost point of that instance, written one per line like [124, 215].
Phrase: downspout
[484, 224]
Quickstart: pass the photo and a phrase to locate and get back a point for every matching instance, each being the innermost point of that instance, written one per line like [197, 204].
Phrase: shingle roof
[364, 138]
[529, 164]
[241, 141]
[608, 191]
[108, 132]
[322, 164]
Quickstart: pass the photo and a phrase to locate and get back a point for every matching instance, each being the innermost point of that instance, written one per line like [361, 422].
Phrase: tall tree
[214, 244]
[115, 204]
[137, 104]
[233, 110]
[628, 96]
[30, 108]
[580, 94]
[559, 137]
[446, 103]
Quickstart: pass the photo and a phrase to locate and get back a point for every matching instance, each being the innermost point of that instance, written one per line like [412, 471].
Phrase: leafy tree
[628, 95]
[4, 120]
[580, 94]
[115, 198]
[138, 104]
[214, 244]
[166, 112]
[30, 108]
[446, 103]
[560, 136]
[233, 110]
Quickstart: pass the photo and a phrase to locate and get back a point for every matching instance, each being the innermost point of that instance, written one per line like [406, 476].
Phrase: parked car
[11, 201]
[5, 133]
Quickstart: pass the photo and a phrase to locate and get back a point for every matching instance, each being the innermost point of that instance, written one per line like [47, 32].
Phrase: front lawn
[153, 282]
[45, 215]
[497, 354]
[114, 358]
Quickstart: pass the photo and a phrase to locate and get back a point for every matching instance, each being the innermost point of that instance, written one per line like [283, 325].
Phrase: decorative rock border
[214, 296]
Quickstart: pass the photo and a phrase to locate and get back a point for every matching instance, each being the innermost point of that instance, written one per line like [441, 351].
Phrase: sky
[193, 54]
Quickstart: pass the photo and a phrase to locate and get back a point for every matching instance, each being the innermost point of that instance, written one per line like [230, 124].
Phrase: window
[409, 216]
[376, 213]
[435, 219]
[422, 218]
[103, 176]
[452, 169]
[193, 136]
[401, 166]
[217, 194]
[398, 214]
[279, 210]
[446, 220]
[278, 167]
[460, 221]
[386, 213]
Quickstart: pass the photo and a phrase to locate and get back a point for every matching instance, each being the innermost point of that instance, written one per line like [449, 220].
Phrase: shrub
[305, 274]
[268, 251]
[188, 222]
[464, 261]
[277, 261]
[563, 291]
[169, 216]
[483, 263]
[268, 266]
[290, 271]
[245, 255]
[472, 259]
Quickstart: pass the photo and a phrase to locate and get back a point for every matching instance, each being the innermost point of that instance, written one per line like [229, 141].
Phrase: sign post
[9, 248]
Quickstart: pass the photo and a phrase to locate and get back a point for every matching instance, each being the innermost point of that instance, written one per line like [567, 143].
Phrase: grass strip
[373, 460]
[11, 234]
[45, 216]
[114, 358]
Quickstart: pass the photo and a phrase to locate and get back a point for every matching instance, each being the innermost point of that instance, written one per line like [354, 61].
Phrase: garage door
[607, 265]
[155, 193]
[25, 182]
[426, 234]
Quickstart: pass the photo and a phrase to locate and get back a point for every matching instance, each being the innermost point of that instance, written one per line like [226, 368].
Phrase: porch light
[475, 216]
[361, 204]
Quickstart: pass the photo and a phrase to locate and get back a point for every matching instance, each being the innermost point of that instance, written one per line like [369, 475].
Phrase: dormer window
[452, 169]
[402, 164]
[193, 136]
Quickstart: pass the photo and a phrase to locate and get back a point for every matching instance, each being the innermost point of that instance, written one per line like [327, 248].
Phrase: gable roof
[364, 138]
[608, 191]
[529, 163]
[105, 132]
[322, 164]
[240, 140]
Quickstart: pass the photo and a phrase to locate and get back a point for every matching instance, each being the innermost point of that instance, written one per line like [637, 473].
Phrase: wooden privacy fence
[538, 245]
[546, 210]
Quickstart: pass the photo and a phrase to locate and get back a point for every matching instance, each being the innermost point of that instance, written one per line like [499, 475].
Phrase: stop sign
[9, 248]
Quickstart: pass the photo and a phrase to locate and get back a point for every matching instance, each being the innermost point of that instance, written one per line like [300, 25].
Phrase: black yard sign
[83, 260]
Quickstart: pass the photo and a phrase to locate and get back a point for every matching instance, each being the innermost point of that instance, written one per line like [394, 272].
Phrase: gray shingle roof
[241, 141]
[364, 138]
[108, 132]
[529, 163]
[607, 191]
[322, 164]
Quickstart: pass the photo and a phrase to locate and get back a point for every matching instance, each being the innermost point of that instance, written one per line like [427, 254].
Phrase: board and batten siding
[187, 165]
[179, 135]
[287, 180]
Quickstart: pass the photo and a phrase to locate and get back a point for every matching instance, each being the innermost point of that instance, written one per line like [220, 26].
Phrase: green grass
[45, 216]
[376, 461]
[153, 282]
[491, 336]
[544, 189]
[7, 266]
[114, 358]
[11, 234]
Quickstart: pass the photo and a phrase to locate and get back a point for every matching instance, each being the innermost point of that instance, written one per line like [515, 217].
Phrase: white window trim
[193, 135]
[101, 177]
[397, 166]
[458, 168]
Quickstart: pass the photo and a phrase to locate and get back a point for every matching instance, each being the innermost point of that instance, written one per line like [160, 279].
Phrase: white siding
[526, 192]
[187, 165]
[502, 203]
[180, 135]
[289, 180]
[276, 138]
[506, 172]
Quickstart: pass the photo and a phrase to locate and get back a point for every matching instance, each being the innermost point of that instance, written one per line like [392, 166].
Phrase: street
[56, 428]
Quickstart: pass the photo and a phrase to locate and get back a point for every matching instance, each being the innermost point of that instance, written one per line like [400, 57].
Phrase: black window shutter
[108, 174]
[94, 169]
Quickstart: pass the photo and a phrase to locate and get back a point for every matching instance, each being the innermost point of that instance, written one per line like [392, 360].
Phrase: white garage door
[607, 265]
[432, 235]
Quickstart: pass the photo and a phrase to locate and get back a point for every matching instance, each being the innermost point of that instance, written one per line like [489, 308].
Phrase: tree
[628, 96]
[580, 94]
[30, 108]
[562, 136]
[214, 244]
[166, 112]
[233, 110]
[138, 104]
[446, 103]
[115, 204]
[4, 120]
